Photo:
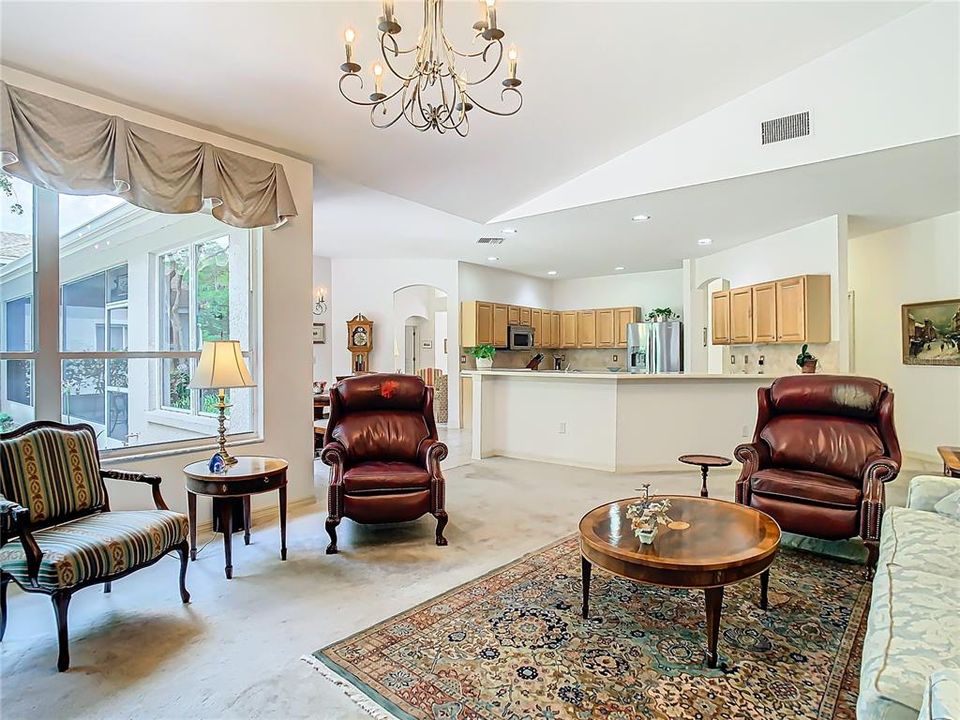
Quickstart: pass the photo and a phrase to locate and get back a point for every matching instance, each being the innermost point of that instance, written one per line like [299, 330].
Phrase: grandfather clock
[360, 342]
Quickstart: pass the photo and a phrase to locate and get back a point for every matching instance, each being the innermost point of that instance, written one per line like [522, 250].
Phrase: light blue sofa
[911, 656]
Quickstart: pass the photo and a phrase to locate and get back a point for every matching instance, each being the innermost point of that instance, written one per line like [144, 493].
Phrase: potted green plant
[661, 315]
[484, 355]
[806, 361]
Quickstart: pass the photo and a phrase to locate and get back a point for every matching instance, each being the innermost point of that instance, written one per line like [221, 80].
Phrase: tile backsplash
[778, 359]
[577, 359]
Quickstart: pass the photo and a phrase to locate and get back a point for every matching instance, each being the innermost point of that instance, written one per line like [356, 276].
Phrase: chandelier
[436, 91]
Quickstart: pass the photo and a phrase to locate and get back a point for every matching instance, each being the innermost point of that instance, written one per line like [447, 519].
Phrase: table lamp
[221, 366]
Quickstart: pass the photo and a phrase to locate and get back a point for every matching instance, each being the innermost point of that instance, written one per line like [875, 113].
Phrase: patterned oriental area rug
[512, 645]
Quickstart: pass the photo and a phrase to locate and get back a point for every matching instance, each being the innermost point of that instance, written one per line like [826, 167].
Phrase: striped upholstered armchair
[57, 532]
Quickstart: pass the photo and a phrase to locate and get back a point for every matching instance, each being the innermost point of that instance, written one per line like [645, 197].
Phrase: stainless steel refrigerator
[655, 347]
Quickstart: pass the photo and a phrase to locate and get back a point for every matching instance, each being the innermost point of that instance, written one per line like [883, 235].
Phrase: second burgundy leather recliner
[384, 454]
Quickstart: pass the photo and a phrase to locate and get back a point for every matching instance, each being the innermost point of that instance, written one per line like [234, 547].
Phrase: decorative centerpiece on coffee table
[647, 516]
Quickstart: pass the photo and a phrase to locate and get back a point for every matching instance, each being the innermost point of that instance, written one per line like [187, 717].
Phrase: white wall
[896, 85]
[661, 288]
[322, 352]
[914, 263]
[478, 282]
[367, 286]
[286, 321]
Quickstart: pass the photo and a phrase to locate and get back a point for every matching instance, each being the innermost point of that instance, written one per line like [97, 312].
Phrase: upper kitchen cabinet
[606, 328]
[765, 313]
[741, 316]
[500, 323]
[587, 328]
[720, 312]
[555, 329]
[803, 309]
[623, 317]
[476, 323]
[536, 322]
[513, 315]
[525, 316]
[568, 329]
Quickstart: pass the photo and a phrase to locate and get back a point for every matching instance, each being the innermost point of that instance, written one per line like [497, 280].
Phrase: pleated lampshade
[221, 366]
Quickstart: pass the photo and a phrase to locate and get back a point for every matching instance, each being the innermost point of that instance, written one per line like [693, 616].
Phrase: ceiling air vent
[785, 128]
[490, 241]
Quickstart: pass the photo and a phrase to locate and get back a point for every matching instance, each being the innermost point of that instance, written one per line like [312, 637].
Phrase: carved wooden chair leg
[61, 601]
[332, 523]
[107, 587]
[873, 553]
[183, 550]
[4, 581]
[442, 519]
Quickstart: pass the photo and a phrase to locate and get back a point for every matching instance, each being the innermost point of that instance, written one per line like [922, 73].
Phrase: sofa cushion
[385, 477]
[941, 696]
[53, 472]
[806, 486]
[913, 630]
[949, 506]
[923, 540]
[96, 546]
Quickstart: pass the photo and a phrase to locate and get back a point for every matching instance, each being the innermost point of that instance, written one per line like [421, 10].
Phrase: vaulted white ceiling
[600, 78]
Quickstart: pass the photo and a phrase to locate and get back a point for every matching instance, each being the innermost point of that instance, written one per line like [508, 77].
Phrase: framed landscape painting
[931, 333]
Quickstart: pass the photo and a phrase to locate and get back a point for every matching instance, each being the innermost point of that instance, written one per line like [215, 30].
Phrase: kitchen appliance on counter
[519, 337]
[655, 347]
[558, 361]
[535, 361]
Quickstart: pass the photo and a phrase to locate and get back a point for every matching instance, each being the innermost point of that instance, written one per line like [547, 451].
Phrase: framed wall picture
[319, 333]
[931, 333]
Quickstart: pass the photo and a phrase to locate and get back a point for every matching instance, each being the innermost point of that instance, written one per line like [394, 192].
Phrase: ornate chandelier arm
[365, 103]
[502, 93]
[478, 53]
[495, 67]
[396, 52]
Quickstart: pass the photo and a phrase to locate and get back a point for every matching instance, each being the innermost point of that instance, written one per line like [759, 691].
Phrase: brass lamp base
[228, 459]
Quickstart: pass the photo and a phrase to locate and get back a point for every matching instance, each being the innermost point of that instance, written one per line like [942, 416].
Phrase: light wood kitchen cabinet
[555, 329]
[466, 402]
[803, 309]
[525, 316]
[720, 314]
[500, 323]
[513, 315]
[606, 328]
[741, 316]
[624, 317]
[476, 323]
[587, 328]
[536, 322]
[568, 329]
[765, 312]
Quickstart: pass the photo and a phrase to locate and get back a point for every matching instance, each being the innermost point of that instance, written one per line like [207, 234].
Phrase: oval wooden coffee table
[709, 544]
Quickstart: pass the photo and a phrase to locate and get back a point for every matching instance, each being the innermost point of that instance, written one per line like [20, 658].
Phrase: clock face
[360, 337]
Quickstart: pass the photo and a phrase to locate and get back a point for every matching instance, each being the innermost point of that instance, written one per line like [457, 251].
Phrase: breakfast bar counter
[615, 421]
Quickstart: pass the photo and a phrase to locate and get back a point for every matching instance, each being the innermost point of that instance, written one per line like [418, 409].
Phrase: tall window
[139, 292]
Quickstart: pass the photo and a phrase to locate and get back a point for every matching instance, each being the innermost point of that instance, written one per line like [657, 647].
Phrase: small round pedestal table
[705, 462]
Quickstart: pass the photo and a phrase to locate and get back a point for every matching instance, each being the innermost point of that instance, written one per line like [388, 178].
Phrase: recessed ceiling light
[551, 272]
[618, 268]
[493, 258]
[704, 241]
[640, 218]
[509, 230]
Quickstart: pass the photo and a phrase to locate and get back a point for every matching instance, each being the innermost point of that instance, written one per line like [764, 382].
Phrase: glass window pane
[117, 284]
[117, 322]
[213, 289]
[175, 300]
[118, 422]
[16, 394]
[16, 264]
[83, 314]
[175, 383]
[83, 384]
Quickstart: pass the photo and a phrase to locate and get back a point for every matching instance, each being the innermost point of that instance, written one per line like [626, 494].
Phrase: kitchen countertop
[607, 375]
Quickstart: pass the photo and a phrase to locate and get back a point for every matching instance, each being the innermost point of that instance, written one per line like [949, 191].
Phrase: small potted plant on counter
[661, 315]
[484, 355]
[806, 361]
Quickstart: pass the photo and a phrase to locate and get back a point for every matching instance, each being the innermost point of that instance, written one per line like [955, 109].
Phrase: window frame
[48, 356]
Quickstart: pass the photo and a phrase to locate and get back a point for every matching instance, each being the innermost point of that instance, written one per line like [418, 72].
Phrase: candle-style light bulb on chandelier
[436, 92]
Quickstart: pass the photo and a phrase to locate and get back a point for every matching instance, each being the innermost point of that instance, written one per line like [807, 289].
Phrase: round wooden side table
[705, 462]
[249, 476]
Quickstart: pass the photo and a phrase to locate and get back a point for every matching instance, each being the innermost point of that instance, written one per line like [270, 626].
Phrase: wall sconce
[320, 305]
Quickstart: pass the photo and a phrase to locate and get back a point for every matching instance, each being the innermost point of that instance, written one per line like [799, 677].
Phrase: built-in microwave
[520, 337]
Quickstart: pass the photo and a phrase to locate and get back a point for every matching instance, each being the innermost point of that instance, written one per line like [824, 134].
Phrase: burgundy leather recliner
[822, 450]
[384, 456]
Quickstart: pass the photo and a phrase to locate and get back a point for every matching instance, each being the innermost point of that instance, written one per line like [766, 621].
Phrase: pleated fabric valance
[77, 151]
